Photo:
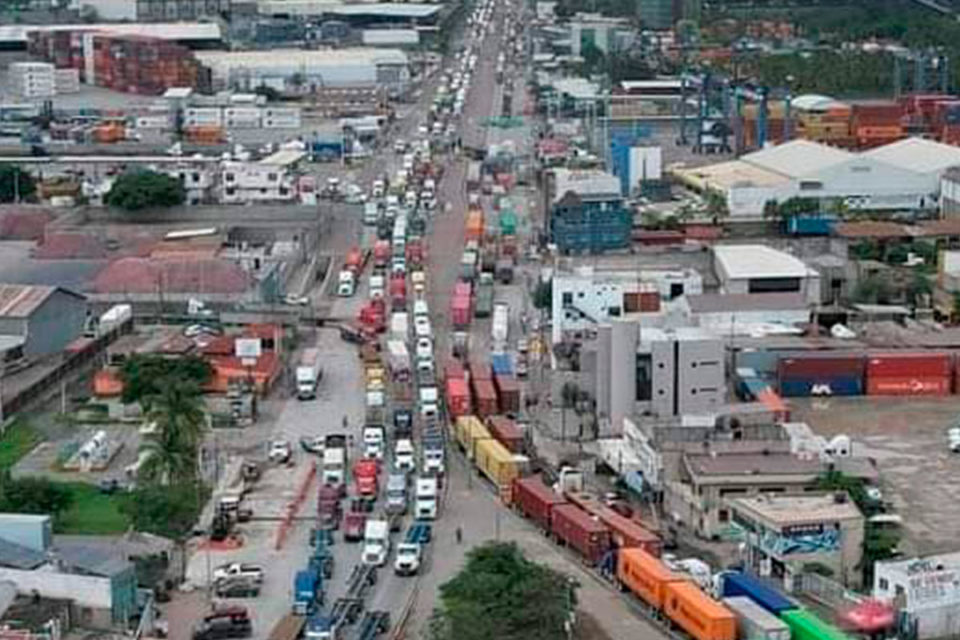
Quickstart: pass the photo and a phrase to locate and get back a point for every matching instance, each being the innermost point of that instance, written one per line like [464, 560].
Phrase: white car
[298, 301]
[419, 280]
[379, 189]
[400, 146]
[399, 266]
[423, 130]
[377, 286]
[424, 349]
[421, 325]
[280, 451]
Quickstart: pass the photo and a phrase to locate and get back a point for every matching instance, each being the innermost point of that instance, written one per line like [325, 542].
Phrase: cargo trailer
[644, 575]
[535, 500]
[572, 527]
[754, 622]
[702, 617]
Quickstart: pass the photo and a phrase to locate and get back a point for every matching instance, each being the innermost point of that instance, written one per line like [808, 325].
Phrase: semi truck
[307, 592]
[398, 358]
[376, 543]
[410, 551]
[500, 328]
[483, 306]
[426, 499]
[308, 374]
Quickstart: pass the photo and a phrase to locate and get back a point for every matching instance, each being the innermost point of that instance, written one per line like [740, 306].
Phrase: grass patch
[17, 442]
[92, 512]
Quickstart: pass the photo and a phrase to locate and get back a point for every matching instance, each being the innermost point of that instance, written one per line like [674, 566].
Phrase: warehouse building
[36, 321]
[69, 36]
[786, 533]
[587, 213]
[708, 481]
[758, 269]
[100, 583]
[901, 176]
[925, 591]
[359, 14]
[284, 68]
[157, 10]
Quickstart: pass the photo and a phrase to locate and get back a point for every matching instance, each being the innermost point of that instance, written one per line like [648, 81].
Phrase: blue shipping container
[750, 388]
[810, 225]
[501, 365]
[741, 584]
[822, 386]
[762, 361]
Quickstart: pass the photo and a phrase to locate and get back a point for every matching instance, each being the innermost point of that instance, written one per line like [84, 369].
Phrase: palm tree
[179, 419]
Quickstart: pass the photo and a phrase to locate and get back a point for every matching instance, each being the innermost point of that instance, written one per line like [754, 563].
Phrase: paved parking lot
[906, 436]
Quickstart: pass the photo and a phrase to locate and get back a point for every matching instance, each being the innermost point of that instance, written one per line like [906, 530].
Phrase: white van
[371, 214]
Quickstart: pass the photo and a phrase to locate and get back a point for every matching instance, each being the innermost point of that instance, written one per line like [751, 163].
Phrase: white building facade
[926, 591]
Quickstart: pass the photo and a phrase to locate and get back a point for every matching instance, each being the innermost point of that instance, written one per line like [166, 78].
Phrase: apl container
[821, 386]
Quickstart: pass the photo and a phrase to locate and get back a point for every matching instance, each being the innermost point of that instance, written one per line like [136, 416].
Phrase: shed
[45, 318]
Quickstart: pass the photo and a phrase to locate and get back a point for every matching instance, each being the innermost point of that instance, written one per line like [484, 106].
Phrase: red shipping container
[908, 386]
[906, 364]
[485, 397]
[535, 500]
[453, 368]
[509, 390]
[577, 529]
[480, 369]
[460, 311]
[458, 397]
[506, 432]
[624, 531]
[817, 364]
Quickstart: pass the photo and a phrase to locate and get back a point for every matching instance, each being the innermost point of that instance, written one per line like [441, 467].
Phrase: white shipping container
[202, 116]
[754, 622]
[152, 122]
[66, 80]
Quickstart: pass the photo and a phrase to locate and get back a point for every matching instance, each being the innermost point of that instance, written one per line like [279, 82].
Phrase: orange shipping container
[644, 575]
[697, 613]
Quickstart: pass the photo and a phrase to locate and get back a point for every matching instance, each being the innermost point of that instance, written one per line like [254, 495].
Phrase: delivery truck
[308, 374]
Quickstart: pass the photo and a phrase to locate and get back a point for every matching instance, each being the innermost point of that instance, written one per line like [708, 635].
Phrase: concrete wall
[623, 370]
[701, 379]
[86, 591]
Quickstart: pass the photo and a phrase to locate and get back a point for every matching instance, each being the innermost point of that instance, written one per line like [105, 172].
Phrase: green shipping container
[508, 223]
[806, 626]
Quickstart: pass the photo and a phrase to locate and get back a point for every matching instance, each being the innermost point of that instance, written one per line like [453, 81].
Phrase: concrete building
[787, 532]
[32, 79]
[268, 180]
[282, 69]
[699, 498]
[746, 313]
[925, 591]
[758, 269]
[36, 321]
[587, 213]
[655, 372]
[901, 176]
[360, 13]
[586, 298]
[101, 583]
[157, 10]
[950, 193]
[186, 33]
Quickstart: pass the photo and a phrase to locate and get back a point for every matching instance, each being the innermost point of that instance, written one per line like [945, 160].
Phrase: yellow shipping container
[496, 462]
[469, 431]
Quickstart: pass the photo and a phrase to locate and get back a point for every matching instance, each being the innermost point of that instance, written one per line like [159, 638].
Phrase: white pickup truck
[238, 570]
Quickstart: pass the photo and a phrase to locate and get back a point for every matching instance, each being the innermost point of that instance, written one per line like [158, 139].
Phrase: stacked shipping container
[909, 374]
[821, 374]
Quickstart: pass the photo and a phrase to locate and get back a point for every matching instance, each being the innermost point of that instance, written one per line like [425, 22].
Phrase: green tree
[16, 183]
[799, 207]
[145, 376]
[717, 207]
[501, 594]
[169, 511]
[543, 295]
[33, 495]
[879, 543]
[873, 289]
[178, 415]
[143, 189]
[771, 210]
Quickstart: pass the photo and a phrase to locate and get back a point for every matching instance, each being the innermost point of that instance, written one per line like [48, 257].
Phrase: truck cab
[433, 459]
[373, 442]
[346, 284]
[429, 403]
[407, 562]
[376, 543]
[426, 499]
[403, 456]
[322, 627]
[307, 593]
[334, 463]
[397, 493]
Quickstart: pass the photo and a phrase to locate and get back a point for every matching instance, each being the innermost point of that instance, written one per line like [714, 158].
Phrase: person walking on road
[459, 533]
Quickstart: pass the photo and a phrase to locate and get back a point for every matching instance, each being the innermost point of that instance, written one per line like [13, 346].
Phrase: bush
[144, 189]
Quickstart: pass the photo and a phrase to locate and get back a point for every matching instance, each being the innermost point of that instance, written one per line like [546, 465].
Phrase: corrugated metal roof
[18, 556]
[20, 300]
[162, 30]
[92, 558]
[797, 158]
[390, 36]
[758, 261]
[917, 154]
[585, 183]
[299, 60]
[319, 7]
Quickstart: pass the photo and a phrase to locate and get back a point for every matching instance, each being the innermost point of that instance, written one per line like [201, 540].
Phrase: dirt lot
[907, 439]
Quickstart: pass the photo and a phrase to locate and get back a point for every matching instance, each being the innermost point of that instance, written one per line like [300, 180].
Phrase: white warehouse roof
[162, 30]
[319, 7]
[917, 154]
[299, 60]
[743, 261]
[374, 37]
[797, 158]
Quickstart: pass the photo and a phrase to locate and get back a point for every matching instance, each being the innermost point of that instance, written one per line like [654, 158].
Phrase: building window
[230, 191]
[229, 177]
[884, 584]
[723, 515]
[810, 185]
[196, 177]
[272, 177]
[774, 285]
[614, 311]
[567, 298]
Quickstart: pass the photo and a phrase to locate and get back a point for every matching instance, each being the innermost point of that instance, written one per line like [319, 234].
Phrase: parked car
[280, 451]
